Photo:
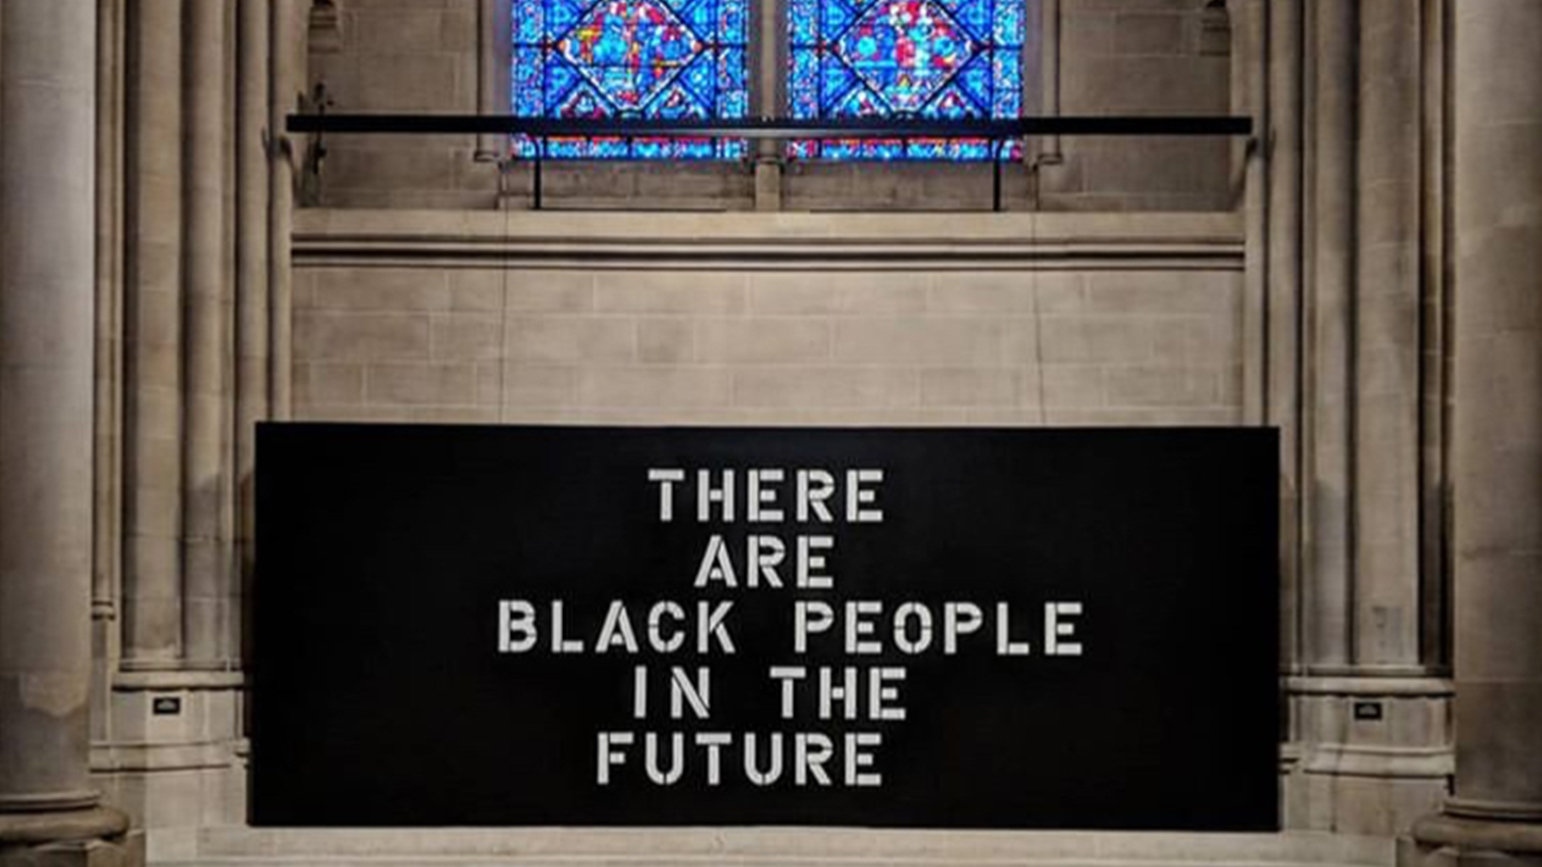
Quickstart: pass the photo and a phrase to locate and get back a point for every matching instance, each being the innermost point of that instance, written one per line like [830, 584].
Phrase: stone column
[288, 53]
[1497, 461]
[206, 305]
[251, 254]
[49, 812]
[1329, 569]
[152, 573]
[1386, 517]
[1283, 140]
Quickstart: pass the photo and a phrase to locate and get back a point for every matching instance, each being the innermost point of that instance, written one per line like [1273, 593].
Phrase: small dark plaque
[1368, 710]
[914, 628]
[166, 705]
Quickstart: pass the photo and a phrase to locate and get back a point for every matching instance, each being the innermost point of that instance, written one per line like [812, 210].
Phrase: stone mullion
[768, 97]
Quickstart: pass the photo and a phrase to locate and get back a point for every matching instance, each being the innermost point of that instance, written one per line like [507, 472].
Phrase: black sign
[928, 628]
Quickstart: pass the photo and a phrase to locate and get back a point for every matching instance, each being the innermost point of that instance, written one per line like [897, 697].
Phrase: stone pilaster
[252, 334]
[1386, 618]
[1369, 713]
[153, 419]
[49, 812]
[206, 308]
[1283, 143]
[1329, 474]
[1495, 815]
[288, 53]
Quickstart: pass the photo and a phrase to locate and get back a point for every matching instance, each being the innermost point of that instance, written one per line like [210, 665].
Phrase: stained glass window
[630, 58]
[948, 59]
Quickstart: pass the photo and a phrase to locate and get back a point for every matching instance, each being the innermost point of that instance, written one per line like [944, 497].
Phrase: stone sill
[341, 235]
[783, 846]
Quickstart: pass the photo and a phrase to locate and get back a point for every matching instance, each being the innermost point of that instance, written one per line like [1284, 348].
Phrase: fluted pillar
[153, 423]
[287, 32]
[1386, 617]
[47, 242]
[1329, 590]
[206, 308]
[1497, 804]
[252, 331]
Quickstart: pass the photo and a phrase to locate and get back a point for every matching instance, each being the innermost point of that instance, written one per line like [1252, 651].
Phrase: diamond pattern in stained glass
[630, 58]
[905, 50]
[629, 49]
[952, 59]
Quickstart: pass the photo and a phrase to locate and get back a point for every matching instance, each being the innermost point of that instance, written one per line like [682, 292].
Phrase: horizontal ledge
[154, 681]
[1389, 687]
[117, 758]
[792, 845]
[1386, 762]
[770, 128]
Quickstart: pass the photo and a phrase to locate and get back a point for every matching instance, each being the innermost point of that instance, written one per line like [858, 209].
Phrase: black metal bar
[996, 185]
[773, 128]
[536, 193]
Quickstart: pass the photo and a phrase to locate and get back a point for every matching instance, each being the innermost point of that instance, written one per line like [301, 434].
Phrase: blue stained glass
[1008, 95]
[630, 58]
[733, 26]
[949, 59]
[835, 16]
[733, 92]
[803, 88]
[700, 81]
[560, 15]
[977, 79]
[528, 84]
[560, 78]
[801, 23]
[837, 80]
[1010, 25]
[529, 20]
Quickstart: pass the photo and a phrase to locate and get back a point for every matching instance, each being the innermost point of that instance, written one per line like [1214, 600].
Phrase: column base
[97, 837]
[1444, 840]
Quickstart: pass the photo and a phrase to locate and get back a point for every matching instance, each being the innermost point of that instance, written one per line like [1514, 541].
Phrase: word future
[876, 632]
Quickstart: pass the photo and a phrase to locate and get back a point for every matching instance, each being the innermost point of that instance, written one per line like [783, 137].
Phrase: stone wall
[883, 326]
[1114, 57]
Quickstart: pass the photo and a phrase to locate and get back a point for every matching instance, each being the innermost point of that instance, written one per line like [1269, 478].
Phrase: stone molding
[1128, 240]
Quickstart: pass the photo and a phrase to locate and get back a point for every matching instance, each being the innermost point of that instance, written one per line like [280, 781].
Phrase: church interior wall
[1131, 282]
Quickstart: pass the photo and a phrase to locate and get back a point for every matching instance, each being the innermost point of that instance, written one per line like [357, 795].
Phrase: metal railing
[775, 128]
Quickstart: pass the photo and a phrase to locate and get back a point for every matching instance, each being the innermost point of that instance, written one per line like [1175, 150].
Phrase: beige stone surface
[49, 810]
[1498, 457]
[803, 340]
